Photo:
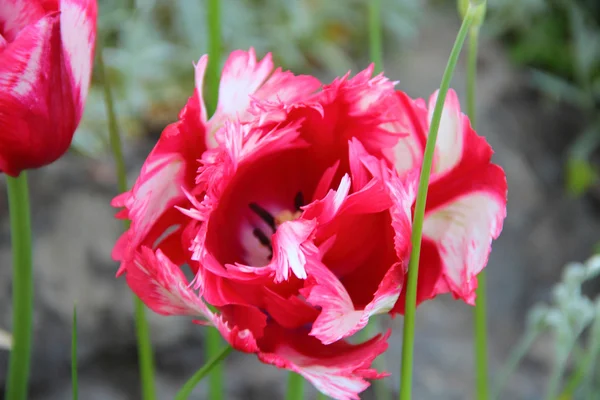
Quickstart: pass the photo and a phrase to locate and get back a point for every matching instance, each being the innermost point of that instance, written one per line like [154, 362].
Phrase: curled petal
[166, 176]
[466, 205]
[339, 318]
[411, 120]
[449, 145]
[339, 370]
[242, 76]
[463, 230]
[291, 247]
[161, 285]
[249, 85]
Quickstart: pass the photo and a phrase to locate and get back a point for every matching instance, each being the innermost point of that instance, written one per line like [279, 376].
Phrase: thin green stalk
[74, 380]
[321, 396]
[472, 74]
[216, 389]
[408, 339]
[22, 287]
[211, 364]
[213, 21]
[513, 361]
[145, 354]
[375, 43]
[376, 55]
[213, 72]
[295, 387]
[480, 317]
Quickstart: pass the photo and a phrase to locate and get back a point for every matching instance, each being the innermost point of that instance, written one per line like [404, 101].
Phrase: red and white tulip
[292, 206]
[46, 57]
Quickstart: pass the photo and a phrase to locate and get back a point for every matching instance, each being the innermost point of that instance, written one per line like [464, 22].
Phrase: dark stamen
[262, 237]
[264, 215]
[299, 200]
[264, 240]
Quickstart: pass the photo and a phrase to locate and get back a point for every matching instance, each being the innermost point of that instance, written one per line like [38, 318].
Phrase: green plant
[569, 314]
[151, 45]
[560, 41]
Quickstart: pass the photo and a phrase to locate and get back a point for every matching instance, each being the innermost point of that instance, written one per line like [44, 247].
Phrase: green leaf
[580, 176]
[189, 386]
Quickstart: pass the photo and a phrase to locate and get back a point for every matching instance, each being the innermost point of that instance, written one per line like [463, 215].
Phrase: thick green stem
[295, 387]
[145, 354]
[480, 317]
[22, 287]
[210, 365]
[408, 339]
[213, 21]
[375, 43]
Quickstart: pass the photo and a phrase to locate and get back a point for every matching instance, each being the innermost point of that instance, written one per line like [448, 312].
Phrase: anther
[264, 215]
[264, 240]
[299, 201]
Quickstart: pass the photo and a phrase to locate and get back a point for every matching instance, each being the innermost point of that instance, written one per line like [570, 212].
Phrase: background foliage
[150, 47]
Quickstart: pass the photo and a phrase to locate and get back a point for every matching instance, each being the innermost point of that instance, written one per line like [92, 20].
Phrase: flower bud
[479, 8]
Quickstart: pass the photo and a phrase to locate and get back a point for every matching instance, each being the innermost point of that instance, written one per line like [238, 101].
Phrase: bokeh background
[538, 105]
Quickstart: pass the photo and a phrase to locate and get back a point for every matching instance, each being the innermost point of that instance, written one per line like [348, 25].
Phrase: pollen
[287, 215]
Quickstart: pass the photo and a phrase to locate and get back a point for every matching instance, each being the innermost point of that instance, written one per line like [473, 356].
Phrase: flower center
[274, 221]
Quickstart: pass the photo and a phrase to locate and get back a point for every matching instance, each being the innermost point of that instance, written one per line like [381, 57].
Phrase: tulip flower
[46, 56]
[292, 206]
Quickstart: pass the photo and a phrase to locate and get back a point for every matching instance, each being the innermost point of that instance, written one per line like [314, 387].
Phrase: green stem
[321, 396]
[22, 287]
[145, 354]
[472, 74]
[375, 43]
[408, 339]
[211, 364]
[480, 317]
[295, 387]
[213, 21]
[216, 389]
[213, 74]
[74, 381]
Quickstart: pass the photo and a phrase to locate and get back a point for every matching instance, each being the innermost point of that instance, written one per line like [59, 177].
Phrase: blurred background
[538, 105]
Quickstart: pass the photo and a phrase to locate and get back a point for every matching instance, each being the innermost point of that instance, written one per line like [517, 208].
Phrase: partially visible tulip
[46, 56]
